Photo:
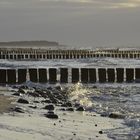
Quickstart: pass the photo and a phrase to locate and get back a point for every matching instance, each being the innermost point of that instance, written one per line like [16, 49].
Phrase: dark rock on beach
[116, 116]
[23, 101]
[81, 108]
[16, 94]
[33, 107]
[51, 115]
[49, 107]
[46, 101]
[100, 132]
[18, 109]
[70, 109]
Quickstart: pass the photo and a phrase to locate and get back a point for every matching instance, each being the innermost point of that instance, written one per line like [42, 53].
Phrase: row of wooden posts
[65, 56]
[43, 54]
[73, 75]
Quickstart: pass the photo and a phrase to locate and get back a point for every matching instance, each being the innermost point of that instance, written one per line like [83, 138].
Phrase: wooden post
[33, 75]
[120, 75]
[84, 75]
[64, 75]
[92, 75]
[111, 75]
[52, 75]
[22, 75]
[2, 76]
[11, 76]
[129, 75]
[102, 75]
[75, 75]
[42, 75]
[137, 75]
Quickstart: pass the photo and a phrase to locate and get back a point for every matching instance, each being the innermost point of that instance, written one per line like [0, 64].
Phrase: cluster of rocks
[49, 98]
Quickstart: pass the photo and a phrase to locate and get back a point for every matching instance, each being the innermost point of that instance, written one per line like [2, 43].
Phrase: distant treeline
[29, 43]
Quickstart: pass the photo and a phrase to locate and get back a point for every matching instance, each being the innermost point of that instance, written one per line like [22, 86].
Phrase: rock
[100, 132]
[36, 101]
[23, 101]
[62, 109]
[67, 104]
[49, 88]
[21, 91]
[49, 107]
[46, 101]
[54, 100]
[33, 94]
[94, 87]
[58, 88]
[51, 115]
[24, 87]
[116, 116]
[34, 107]
[16, 94]
[81, 108]
[70, 109]
[76, 104]
[18, 109]
[104, 114]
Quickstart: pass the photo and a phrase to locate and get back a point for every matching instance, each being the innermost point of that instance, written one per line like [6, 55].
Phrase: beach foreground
[70, 125]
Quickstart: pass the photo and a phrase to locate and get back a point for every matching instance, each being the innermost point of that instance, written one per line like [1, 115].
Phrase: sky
[72, 22]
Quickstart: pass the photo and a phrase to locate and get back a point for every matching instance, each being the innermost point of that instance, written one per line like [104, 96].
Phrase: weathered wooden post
[84, 75]
[120, 75]
[52, 75]
[102, 75]
[137, 75]
[11, 76]
[33, 75]
[75, 75]
[2, 76]
[42, 75]
[129, 75]
[22, 75]
[92, 75]
[64, 75]
[111, 75]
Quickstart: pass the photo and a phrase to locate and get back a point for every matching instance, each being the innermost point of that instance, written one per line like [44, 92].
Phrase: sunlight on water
[79, 93]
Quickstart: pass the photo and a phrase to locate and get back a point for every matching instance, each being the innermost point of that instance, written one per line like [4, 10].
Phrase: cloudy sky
[72, 22]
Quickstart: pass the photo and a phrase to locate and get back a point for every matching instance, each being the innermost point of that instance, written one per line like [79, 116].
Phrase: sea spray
[78, 93]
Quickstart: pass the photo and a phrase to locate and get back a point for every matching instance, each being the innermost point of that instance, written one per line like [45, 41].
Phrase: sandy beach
[70, 125]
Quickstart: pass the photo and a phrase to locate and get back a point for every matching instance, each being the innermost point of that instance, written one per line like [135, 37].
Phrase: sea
[123, 98]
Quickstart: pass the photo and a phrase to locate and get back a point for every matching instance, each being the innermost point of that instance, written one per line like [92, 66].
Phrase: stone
[36, 101]
[62, 109]
[51, 115]
[70, 109]
[46, 101]
[49, 107]
[18, 109]
[58, 88]
[100, 132]
[81, 108]
[16, 94]
[34, 107]
[23, 101]
[116, 116]
[67, 104]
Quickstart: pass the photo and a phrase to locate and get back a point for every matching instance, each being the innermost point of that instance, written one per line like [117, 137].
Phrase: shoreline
[70, 125]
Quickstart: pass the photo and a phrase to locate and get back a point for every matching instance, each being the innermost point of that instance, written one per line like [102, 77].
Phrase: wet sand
[5, 103]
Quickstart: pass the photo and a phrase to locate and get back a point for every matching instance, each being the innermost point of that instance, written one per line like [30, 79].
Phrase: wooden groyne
[44, 54]
[73, 75]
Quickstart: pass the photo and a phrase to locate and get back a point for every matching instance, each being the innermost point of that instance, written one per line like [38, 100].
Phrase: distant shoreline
[30, 43]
